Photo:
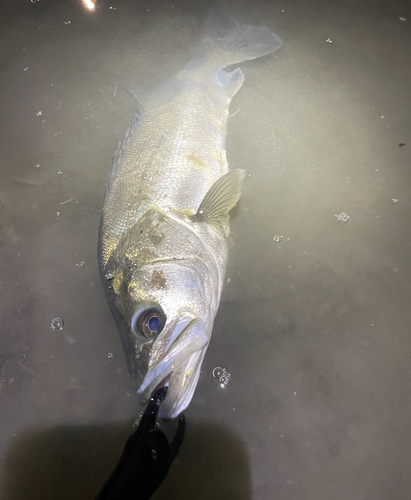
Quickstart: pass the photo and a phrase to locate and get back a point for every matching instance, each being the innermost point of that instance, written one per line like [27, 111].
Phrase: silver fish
[162, 248]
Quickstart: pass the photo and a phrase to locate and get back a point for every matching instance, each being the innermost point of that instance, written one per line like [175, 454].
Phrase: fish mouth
[164, 383]
[178, 368]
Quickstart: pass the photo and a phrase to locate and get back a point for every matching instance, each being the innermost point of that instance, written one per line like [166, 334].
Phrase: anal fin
[230, 81]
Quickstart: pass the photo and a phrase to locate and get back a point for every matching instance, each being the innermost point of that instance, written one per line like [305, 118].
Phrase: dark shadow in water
[212, 464]
[70, 462]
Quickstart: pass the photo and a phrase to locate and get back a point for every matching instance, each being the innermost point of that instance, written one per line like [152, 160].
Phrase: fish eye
[151, 323]
[148, 322]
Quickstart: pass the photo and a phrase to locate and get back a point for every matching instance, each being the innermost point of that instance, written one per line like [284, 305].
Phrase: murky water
[314, 322]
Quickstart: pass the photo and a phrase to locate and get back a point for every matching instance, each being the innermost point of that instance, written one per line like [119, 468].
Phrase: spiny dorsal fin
[122, 146]
[140, 94]
[124, 143]
[219, 200]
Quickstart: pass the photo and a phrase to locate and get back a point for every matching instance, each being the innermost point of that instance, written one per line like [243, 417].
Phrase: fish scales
[164, 222]
[173, 158]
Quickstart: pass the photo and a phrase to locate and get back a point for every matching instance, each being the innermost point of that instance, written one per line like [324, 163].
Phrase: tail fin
[229, 42]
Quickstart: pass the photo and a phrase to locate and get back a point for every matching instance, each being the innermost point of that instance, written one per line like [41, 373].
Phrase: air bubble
[222, 375]
[278, 238]
[137, 420]
[342, 217]
[56, 323]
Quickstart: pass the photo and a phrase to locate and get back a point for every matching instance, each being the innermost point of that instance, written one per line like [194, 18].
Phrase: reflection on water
[88, 4]
[314, 319]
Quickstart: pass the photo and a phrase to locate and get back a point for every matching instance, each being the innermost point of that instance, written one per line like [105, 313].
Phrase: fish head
[164, 292]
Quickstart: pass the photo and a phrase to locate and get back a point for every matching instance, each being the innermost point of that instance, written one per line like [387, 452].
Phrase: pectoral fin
[219, 200]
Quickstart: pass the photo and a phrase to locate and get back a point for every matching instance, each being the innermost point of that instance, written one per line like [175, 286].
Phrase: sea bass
[162, 248]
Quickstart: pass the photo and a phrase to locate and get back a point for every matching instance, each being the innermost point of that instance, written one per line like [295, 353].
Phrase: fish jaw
[178, 367]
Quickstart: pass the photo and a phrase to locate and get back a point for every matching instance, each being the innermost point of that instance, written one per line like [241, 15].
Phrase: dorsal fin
[122, 146]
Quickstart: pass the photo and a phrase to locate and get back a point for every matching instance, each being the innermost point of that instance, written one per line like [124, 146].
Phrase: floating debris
[402, 18]
[329, 40]
[342, 217]
[67, 201]
[59, 172]
[394, 200]
[222, 375]
[39, 113]
[401, 144]
[110, 355]
[67, 22]
[278, 238]
[26, 68]
[37, 165]
[56, 323]
[80, 264]
[58, 214]
[230, 116]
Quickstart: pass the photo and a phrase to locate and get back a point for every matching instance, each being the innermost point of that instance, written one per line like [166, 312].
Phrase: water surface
[313, 327]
